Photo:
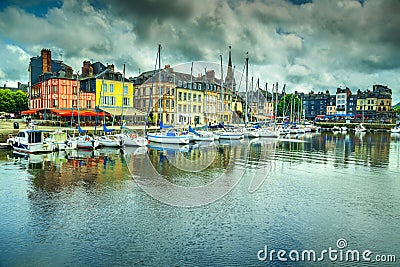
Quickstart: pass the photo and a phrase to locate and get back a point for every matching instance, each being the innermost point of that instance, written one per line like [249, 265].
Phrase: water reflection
[180, 164]
[86, 208]
[370, 149]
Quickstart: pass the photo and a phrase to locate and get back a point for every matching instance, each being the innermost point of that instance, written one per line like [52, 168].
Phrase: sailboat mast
[159, 83]
[276, 99]
[191, 94]
[258, 99]
[222, 93]
[252, 100]
[123, 97]
[247, 77]
[77, 88]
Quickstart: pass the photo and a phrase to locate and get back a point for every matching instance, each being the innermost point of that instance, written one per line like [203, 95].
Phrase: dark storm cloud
[306, 44]
[150, 13]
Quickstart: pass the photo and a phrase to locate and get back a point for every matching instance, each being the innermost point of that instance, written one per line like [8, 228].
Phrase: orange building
[60, 93]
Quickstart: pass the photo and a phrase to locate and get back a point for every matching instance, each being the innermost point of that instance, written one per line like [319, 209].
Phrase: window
[111, 88]
[184, 108]
[194, 97]
[172, 91]
[127, 101]
[74, 103]
[180, 96]
[199, 98]
[89, 104]
[172, 103]
[126, 89]
[74, 90]
[104, 87]
[184, 96]
[189, 96]
[54, 89]
[167, 103]
[179, 108]
[199, 109]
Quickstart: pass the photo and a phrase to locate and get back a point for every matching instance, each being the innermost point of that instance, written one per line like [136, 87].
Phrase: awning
[29, 111]
[83, 113]
[127, 111]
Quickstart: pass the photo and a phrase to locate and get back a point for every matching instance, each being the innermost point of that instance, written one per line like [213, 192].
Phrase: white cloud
[320, 45]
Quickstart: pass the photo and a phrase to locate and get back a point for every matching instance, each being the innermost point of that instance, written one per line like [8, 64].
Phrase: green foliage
[396, 109]
[288, 103]
[12, 102]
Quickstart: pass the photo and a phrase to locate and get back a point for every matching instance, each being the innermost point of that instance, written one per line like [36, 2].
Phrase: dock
[5, 146]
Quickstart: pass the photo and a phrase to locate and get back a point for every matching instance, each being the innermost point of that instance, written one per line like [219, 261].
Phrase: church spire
[229, 79]
[230, 57]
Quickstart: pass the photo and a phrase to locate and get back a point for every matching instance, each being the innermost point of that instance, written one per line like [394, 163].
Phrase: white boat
[204, 136]
[60, 140]
[360, 128]
[201, 136]
[396, 129]
[87, 142]
[111, 140]
[169, 137]
[336, 128]
[169, 147]
[31, 141]
[251, 133]
[265, 132]
[133, 139]
[343, 129]
[225, 135]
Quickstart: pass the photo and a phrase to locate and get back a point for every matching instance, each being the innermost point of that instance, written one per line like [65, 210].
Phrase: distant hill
[397, 105]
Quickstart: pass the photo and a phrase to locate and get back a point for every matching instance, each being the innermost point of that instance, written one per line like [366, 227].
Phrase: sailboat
[201, 136]
[84, 141]
[110, 140]
[170, 136]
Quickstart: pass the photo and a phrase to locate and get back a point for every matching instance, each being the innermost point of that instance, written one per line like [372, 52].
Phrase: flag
[80, 129]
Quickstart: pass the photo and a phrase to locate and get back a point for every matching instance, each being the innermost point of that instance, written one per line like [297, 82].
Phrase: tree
[21, 101]
[12, 102]
[7, 103]
[288, 104]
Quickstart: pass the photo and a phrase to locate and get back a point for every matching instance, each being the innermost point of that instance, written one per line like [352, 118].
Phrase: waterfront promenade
[7, 127]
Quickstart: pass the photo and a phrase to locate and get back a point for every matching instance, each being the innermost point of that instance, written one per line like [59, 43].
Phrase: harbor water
[228, 204]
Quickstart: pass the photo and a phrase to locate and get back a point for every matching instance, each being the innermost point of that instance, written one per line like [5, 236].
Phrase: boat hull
[161, 138]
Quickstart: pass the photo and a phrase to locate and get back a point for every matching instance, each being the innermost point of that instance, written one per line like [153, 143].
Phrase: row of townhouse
[54, 86]
[372, 104]
[181, 98]
[185, 99]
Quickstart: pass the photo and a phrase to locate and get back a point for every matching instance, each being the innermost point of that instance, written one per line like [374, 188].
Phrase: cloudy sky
[313, 44]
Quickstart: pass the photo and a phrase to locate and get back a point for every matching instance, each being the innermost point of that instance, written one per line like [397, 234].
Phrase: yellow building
[190, 104]
[383, 104]
[111, 93]
[211, 103]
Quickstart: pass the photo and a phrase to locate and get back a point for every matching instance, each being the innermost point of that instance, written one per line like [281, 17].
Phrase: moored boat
[111, 140]
[60, 140]
[168, 137]
[31, 141]
[360, 128]
[396, 129]
[87, 142]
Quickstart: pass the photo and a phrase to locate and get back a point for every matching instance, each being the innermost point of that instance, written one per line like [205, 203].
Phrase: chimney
[111, 67]
[46, 60]
[85, 68]
[90, 71]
